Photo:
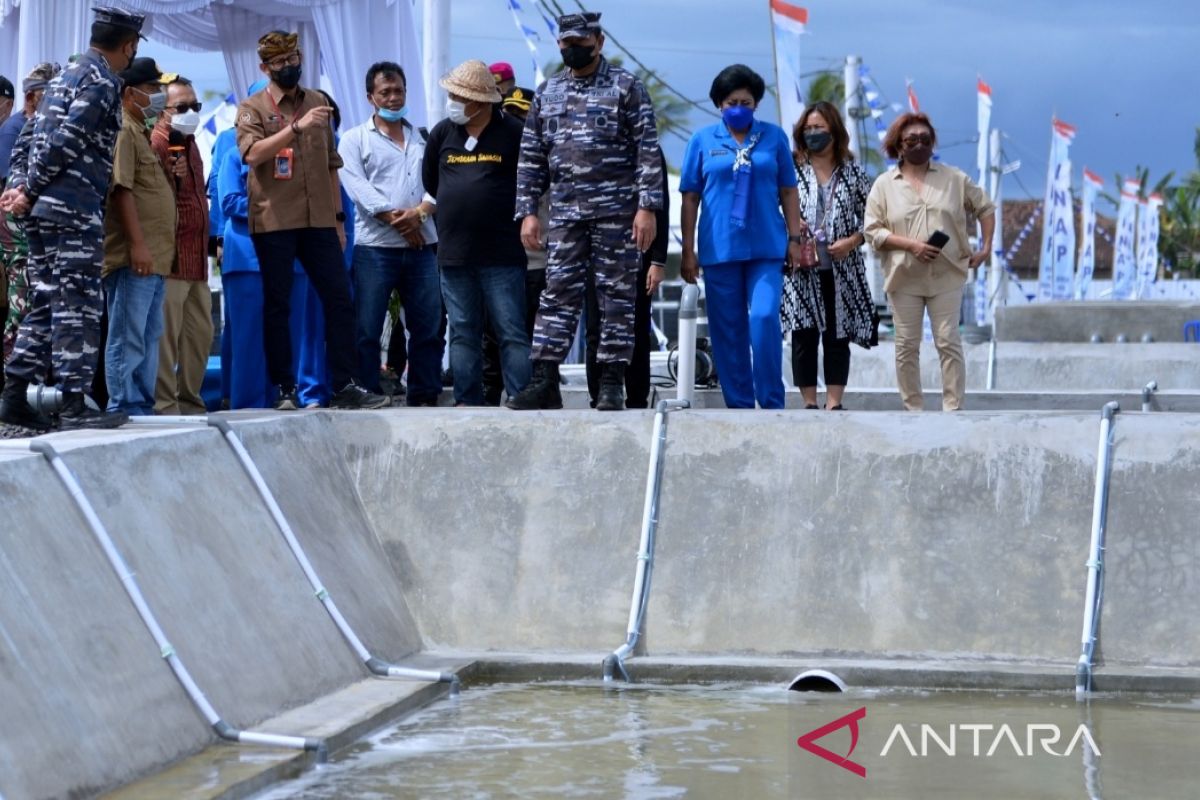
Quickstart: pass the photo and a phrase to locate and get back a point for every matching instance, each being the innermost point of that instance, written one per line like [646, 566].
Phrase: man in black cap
[62, 190]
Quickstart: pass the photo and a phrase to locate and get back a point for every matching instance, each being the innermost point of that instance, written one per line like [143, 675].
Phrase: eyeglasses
[183, 108]
[917, 139]
[290, 60]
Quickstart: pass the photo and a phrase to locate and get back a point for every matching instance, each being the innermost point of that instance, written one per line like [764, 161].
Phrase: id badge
[283, 164]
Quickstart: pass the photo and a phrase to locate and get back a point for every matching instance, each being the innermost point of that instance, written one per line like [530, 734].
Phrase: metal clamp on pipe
[1148, 395]
[222, 728]
[689, 314]
[375, 665]
[1095, 583]
[645, 558]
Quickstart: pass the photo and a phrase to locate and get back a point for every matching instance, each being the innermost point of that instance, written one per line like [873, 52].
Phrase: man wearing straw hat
[470, 169]
[591, 142]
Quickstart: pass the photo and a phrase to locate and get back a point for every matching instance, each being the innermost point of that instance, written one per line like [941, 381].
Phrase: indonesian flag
[1064, 130]
[789, 17]
[913, 105]
[984, 120]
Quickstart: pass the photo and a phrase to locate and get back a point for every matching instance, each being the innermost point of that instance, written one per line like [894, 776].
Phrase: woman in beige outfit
[906, 206]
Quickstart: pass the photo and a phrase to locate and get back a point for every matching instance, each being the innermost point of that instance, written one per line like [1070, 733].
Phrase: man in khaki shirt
[284, 136]
[139, 246]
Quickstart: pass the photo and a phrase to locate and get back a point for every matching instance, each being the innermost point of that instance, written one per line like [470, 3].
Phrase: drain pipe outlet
[1095, 564]
[817, 680]
[375, 665]
[1147, 395]
[645, 558]
[166, 650]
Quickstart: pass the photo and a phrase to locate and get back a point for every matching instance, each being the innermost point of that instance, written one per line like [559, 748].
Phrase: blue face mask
[738, 118]
[387, 115]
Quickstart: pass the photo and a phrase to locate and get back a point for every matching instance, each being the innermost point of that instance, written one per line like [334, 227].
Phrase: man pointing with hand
[286, 139]
[591, 141]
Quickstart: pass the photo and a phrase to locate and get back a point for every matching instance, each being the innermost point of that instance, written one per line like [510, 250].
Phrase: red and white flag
[789, 22]
[913, 105]
[985, 120]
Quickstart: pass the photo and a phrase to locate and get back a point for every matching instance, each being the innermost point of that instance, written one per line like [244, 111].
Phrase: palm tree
[830, 86]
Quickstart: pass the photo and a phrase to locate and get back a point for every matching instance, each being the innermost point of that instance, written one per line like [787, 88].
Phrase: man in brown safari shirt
[285, 137]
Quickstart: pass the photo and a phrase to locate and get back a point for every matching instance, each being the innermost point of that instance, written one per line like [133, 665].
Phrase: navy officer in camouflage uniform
[591, 141]
[65, 182]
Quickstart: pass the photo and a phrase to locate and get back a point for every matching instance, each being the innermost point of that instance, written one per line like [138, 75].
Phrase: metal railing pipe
[689, 315]
[166, 650]
[1094, 596]
[645, 558]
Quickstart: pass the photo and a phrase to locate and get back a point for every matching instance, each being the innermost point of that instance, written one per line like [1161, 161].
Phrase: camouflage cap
[277, 43]
[579, 26]
[40, 76]
[118, 18]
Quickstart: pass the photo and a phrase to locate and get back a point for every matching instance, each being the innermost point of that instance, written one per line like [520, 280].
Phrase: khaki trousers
[183, 350]
[908, 312]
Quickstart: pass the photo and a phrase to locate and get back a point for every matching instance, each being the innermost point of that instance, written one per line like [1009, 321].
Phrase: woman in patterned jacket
[830, 303]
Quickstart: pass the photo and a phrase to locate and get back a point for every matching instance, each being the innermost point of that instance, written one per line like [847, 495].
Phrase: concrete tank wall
[87, 701]
[1077, 322]
[787, 532]
[1024, 366]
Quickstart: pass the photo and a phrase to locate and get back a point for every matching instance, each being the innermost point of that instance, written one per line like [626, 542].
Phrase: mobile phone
[938, 239]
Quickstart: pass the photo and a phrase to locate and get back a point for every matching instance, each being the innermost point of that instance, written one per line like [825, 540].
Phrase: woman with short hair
[830, 303]
[740, 170]
[917, 217]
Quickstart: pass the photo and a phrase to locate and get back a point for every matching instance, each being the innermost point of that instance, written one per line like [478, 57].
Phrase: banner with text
[1056, 264]
[1092, 184]
[1124, 265]
[1147, 244]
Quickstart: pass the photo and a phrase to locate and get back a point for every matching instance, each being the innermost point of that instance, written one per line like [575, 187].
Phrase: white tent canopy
[343, 37]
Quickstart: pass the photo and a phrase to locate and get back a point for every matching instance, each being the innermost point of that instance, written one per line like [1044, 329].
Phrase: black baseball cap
[142, 70]
[6, 88]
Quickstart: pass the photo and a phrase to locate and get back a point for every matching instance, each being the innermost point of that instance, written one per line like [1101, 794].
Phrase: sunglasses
[183, 108]
[913, 141]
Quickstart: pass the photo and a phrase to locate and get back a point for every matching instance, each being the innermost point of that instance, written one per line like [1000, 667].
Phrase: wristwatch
[421, 213]
[340, 216]
[798, 239]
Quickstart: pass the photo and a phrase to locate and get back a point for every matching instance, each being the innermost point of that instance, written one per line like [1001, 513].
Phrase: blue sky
[1124, 73]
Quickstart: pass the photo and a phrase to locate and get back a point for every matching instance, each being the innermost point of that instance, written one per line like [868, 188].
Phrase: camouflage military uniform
[592, 143]
[14, 248]
[66, 177]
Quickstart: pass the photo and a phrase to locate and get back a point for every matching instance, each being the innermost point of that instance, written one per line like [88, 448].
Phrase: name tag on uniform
[553, 97]
[720, 151]
[612, 93]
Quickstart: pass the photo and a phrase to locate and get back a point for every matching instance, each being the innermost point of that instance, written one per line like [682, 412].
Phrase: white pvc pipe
[166, 650]
[1147, 393]
[689, 312]
[1095, 564]
[375, 665]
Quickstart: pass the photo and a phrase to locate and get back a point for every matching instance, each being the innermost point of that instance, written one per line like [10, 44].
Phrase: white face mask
[457, 112]
[186, 123]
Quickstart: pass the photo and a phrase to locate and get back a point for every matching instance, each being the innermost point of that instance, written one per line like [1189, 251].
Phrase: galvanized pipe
[1095, 564]
[689, 314]
[375, 665]
[222, 728]
[645, 558]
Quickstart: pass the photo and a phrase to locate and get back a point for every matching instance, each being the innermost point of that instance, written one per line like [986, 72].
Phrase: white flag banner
[1092, 184]
[985, 120]
[789, 23]
[1124, 266]
[1056, 264]
[1147, 245]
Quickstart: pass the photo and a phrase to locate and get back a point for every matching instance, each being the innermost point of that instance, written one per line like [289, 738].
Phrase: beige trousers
[184, 346]
[908, 312]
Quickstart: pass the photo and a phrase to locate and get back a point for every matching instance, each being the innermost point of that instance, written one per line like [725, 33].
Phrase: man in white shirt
[394, 235]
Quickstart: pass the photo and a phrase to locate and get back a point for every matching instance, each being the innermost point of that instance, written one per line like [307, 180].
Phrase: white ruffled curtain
[359, 32]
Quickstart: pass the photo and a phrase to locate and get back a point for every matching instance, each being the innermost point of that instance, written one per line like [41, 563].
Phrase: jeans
[320, 254]
[743, 321]
[501, 290]
[135, 323]
[414, 274]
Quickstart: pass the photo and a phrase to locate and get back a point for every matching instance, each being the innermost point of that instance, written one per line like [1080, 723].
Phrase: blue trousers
[468, 292]
[307, 325]
[243, 359]
[135, 323]
[743, 320]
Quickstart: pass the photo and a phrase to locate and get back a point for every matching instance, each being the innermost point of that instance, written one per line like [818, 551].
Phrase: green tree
[827, 86]
[830, 86]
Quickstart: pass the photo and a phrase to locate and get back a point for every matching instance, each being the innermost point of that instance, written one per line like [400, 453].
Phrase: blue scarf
[742, 173]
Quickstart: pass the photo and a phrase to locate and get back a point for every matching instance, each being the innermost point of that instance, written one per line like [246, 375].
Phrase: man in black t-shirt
[470, 169]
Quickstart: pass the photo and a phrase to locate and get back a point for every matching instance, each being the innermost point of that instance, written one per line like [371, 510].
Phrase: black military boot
[76, 414]
[15, 408]
[542, 391]
[611, 396]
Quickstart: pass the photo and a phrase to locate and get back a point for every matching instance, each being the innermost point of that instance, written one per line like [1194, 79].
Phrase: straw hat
[472, 80]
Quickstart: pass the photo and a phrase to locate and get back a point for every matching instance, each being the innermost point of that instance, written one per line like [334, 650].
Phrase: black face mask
[577, 56]
[917, 154]
[816, 141]
[287, 78]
